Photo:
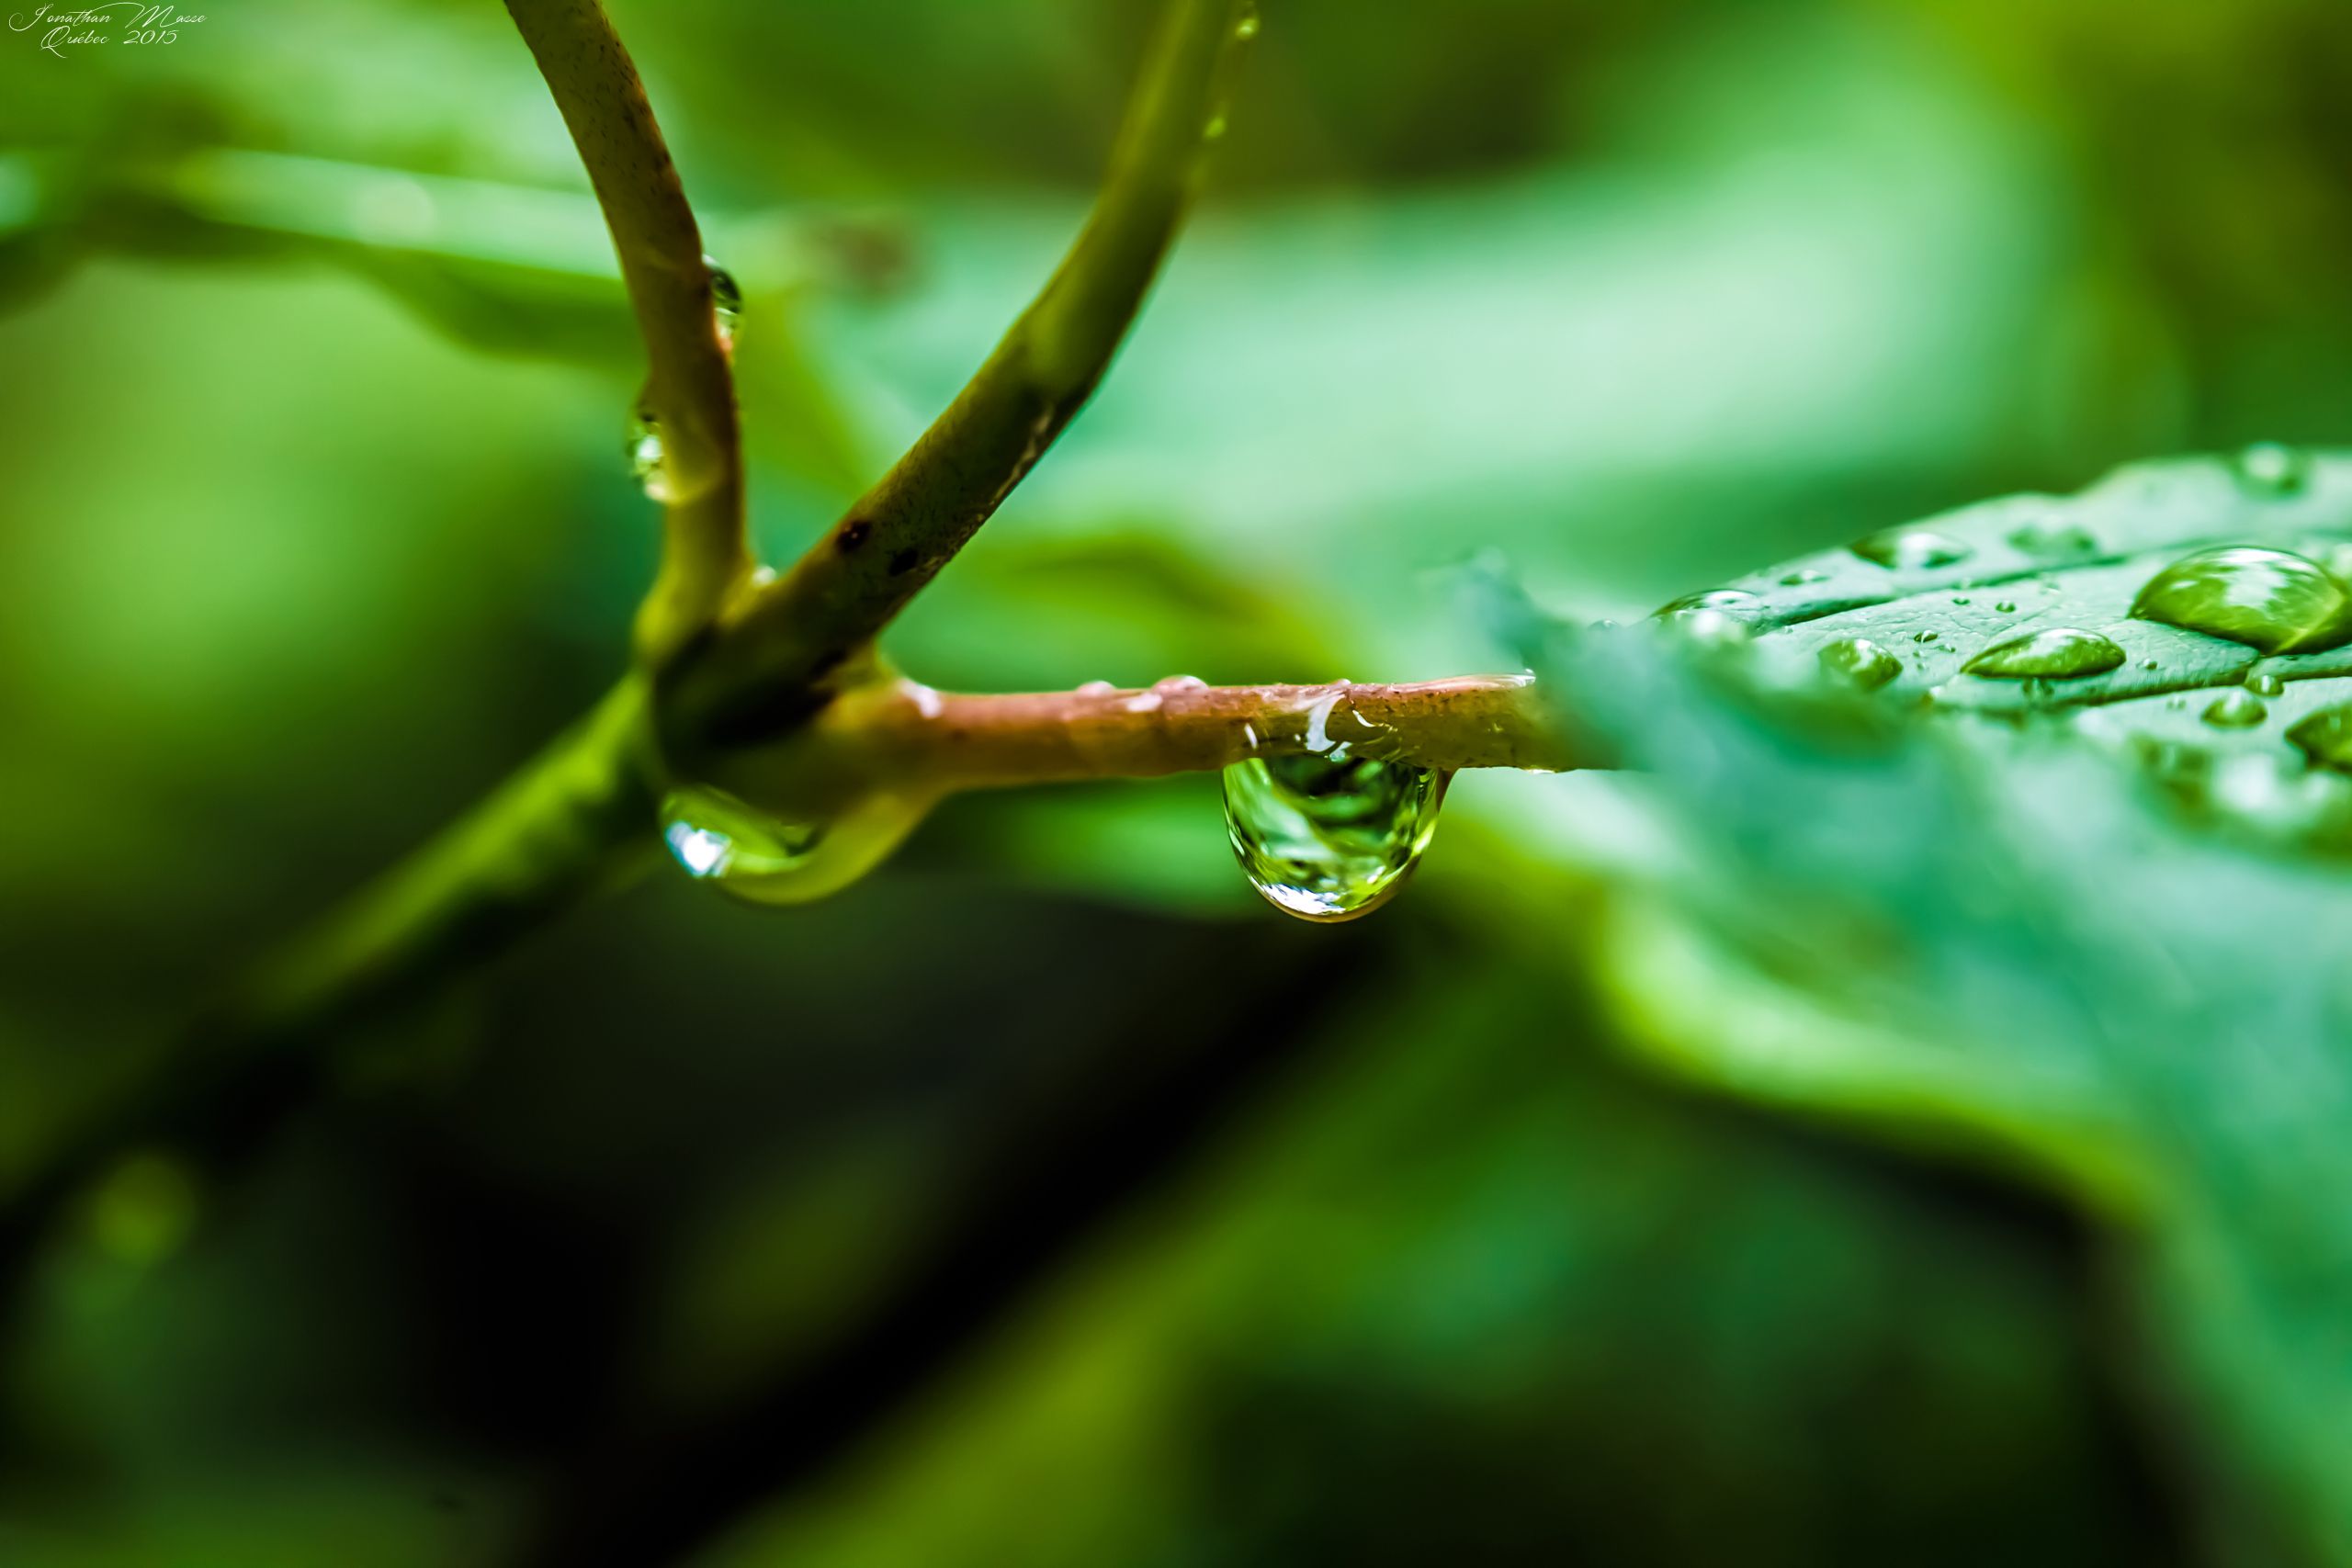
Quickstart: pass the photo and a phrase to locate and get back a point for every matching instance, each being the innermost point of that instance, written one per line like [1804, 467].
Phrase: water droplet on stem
[1326, 839]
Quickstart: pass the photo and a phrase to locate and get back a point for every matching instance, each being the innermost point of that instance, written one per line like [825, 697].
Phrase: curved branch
[690, 387]
[793, 634]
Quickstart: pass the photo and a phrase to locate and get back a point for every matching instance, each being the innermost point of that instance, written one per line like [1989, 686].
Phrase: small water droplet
[2149, 664]
[1214, 129]
[1924, 636]
[2053, 540]
[1179, 684]
[2059, 653]
[1247, 28]
[1719, 616]
[725, 302]
[2235, 710]
[1958, 599]
[2264, 685]
[642, 444]
[1096, 689]
[1802, 576]
[2006, 606]
[2266, 599]
[1911, 549]
[2325, 737]
[764, 859]
[2271, 470]
[1326, 839]
[1861, 661]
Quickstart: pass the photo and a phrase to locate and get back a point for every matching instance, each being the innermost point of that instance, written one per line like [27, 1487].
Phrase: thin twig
[791, 635]
[902, 738]
[691, 388]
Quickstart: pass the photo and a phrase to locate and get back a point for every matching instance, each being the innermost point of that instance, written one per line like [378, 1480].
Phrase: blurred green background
[1047, 1199]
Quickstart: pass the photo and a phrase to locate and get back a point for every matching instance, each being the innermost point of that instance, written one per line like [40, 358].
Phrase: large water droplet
[1720, 615]
[1911, 549]
[2059, 653]
[2325, 737]
[2239, 709]
[646, 458]
[764, 859]
[725, 302]
[2271, 470]
[2266, 599]
[1329, 840]
[2053, 540]
[1861, 661]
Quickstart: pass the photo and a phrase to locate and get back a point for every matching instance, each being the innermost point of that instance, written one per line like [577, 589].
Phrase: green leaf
[1967, 911]
[2190, 614]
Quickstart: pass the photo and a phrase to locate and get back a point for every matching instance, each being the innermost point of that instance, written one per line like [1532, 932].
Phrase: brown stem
[690, 388]
[898, 737]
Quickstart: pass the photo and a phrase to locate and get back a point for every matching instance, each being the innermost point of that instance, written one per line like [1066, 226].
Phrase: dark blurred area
[1046, 1198]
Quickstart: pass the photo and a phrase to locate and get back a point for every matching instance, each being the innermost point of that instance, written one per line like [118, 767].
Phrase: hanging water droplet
[1329, 840]
[2053, 540]
[1911, 549]
[725, 302]
[646, 458]
[2271, 470]
[1802, 576]
[2325, 737]
[765, 859]
[2266, 599]
[1861, 661]
[2239, 709]
[2265, 685]
[2059, 653]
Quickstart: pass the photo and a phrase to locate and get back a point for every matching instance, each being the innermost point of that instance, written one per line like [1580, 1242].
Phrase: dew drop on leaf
[2266, 599]
[647, 460]
[1719, 616]
[2269, 469]
[2239, 709]
[2053, 540]
[1326, 839]
[2059, 653]
[1861, 661]
[1911, 549]
[2006, 606]
[725, 302]
[757, 856]
[2265, 685]
[1802, 577]
[2325, 737]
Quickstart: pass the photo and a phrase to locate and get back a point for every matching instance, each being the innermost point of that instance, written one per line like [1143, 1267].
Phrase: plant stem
[898, 737]
[789, 636]
[690, 387]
